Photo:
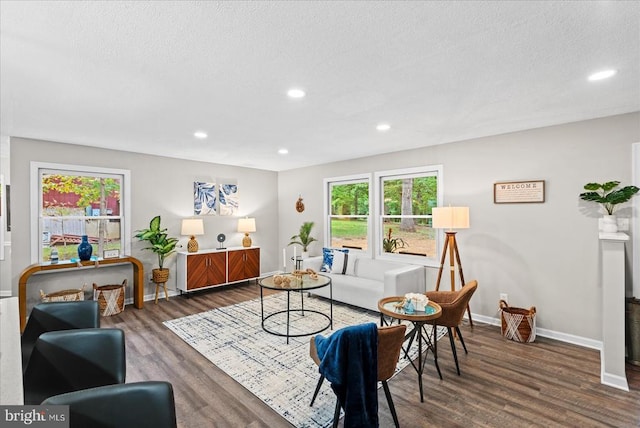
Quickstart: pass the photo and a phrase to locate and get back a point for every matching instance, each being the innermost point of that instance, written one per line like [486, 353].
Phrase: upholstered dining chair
[453, 304]
[390, 341]
[55, 316]
[71, 360]
[127, 405]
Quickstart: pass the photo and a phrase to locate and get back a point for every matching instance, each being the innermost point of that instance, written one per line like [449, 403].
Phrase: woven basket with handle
[517, 323]
[63, 295]
[110, 298]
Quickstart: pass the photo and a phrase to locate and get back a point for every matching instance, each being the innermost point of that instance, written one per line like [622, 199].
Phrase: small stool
[164, 286]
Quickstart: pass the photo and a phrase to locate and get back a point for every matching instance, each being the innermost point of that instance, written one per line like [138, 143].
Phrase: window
[71, 201]
[403, 210]
[347, 224]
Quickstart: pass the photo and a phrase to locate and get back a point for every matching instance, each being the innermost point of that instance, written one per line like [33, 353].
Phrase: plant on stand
[304, 238]
[608, 196]
[160, 244]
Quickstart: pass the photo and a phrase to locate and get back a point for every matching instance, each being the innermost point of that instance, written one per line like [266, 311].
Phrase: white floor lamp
[451, 218]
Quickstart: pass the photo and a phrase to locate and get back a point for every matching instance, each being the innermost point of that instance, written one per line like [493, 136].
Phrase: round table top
[296, 283]
[387, 307]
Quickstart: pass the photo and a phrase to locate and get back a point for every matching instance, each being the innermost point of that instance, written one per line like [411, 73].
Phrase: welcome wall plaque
[516, 192]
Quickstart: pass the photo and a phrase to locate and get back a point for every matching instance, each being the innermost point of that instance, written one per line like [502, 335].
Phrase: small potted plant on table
[304, 238]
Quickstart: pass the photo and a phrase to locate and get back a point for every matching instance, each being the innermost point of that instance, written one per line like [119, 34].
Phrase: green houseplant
[390, 245]
[304, 238]
[606, 194]
[161, 244]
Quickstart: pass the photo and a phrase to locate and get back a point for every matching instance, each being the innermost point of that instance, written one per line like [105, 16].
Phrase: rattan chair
[453, 304]
[71, 360]
[129, 405]
[390, 341]
[55, 316]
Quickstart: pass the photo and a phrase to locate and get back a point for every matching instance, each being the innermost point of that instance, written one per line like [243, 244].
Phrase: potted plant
[160, 244]
[608, 196]
[304, 238]
[390, 245]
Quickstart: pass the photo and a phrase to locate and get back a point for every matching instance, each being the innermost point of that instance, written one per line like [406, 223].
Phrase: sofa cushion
[340, 262]
[327, 258]
[374, 269]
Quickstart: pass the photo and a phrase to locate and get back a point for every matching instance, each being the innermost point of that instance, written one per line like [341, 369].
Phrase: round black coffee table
[299, 284]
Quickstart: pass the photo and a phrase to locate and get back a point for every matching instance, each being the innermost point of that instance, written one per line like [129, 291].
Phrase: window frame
[378, 196]
[347, 179]
[36, 202]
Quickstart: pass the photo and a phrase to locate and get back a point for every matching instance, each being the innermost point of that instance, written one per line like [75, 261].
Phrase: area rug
[281, 375]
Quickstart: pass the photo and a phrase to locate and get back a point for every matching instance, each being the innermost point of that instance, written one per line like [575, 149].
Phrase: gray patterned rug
[280, 374]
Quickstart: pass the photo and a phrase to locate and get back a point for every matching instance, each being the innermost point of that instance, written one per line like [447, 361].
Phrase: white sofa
[367, 281]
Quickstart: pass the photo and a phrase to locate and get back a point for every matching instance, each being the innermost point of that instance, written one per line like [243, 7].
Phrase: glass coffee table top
[300, 283]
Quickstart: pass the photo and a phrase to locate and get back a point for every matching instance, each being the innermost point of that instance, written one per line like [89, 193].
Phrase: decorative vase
[305, 254]
[85, 249]
[609, 223]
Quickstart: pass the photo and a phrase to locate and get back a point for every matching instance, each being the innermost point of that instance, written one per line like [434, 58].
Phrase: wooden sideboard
[138, 278]
[212, 268]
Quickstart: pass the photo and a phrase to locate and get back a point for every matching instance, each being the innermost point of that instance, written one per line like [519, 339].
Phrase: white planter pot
[609, 223]
[305, 254]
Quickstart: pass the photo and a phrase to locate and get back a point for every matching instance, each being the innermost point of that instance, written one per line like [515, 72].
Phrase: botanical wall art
[228, 197]
[204, 198]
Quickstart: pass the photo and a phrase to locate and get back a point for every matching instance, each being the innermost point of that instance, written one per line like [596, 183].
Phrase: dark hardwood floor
[503, 383]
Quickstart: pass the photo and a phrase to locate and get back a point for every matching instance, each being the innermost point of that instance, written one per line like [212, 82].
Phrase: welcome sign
[512, 192]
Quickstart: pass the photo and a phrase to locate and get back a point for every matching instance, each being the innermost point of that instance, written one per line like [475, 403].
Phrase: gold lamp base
[246, 241]
[192, 246]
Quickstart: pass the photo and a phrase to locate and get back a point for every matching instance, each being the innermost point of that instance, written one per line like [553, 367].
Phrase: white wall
[543, 255]
[160, 186]
[5, 237]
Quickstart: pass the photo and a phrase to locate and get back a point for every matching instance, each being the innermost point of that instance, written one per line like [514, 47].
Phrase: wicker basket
[160, 276]
[517, 323]
[110, 298]
[70, 295]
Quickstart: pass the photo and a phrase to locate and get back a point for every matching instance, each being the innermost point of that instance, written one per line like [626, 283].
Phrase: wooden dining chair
[454, 305]
[390, 341]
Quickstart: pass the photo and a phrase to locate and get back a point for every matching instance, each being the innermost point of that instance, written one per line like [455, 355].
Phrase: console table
[138, 279]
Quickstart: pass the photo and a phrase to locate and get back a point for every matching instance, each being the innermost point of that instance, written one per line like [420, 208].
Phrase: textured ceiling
[143, 76]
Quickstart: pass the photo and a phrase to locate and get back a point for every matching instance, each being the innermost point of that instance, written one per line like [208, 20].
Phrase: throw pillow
[327, 258]
[340, 260]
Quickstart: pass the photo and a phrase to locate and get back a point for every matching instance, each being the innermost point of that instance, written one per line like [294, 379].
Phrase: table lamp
[246, 226]
[192, 227]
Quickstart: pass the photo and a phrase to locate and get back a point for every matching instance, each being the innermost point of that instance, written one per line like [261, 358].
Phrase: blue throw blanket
[349, 360]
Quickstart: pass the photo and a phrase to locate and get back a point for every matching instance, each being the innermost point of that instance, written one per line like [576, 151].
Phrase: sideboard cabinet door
[244, 264]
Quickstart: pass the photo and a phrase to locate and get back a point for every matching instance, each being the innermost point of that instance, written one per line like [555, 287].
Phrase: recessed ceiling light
[200, 134]
[383, 127]
[283, 151]
[604, 74]
[296, 93]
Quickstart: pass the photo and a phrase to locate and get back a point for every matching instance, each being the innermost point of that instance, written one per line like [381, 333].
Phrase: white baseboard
[5, 293]
[614, 381]
[551, 334]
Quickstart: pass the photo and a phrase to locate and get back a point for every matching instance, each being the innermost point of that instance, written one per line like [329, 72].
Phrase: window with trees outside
[406, 198]
[348, 212]
[75, 201]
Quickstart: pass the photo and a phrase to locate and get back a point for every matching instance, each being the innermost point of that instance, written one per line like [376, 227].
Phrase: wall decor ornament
[299, 204]
[228, 198]
[204, 198]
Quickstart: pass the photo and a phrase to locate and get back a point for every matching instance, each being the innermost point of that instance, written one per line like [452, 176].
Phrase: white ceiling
[143, 76]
